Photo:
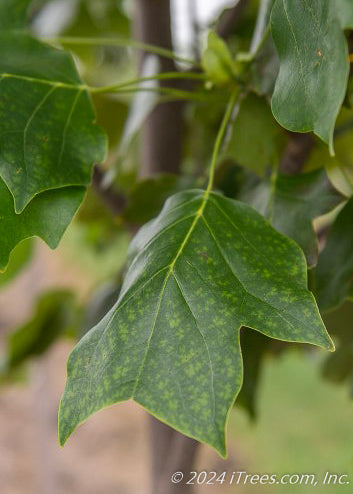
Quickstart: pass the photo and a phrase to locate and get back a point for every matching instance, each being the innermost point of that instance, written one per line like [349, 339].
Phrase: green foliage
[47, 216]
[338, 367]
[257, 140]
[345, 13]
[217, 60]
[20, 257]
[54, 315]
[292, 202]
[207, 265]
[148, 196]
[13, 14]
[171, 342]
[334, 272]
[314, 67]
[254, 347]
[48, 140]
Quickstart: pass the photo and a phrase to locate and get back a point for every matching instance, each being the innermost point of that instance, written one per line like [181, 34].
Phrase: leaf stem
[158, 50]
[173, 92]
[273, 183]
[158, 77]
[261, 28]
[220, 137]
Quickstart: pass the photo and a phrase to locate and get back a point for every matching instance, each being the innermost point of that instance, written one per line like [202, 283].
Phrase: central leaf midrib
[198, 215]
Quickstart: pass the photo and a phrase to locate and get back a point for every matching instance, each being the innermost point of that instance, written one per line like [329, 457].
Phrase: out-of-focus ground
[305, 425]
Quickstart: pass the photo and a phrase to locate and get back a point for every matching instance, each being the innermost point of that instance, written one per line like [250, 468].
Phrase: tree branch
[297, 153]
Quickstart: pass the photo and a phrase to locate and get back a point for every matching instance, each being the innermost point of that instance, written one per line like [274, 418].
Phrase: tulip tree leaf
[206, 266]
[48, 138]
[47, 216]
[292, 202]
[314, 66]
[334, 272]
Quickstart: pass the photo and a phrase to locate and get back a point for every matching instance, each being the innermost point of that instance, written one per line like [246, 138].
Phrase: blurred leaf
[254, 347]
[55, 314]
[230, 178]
[100, 16]
[97, 250]
[95, 18]
[338, 366]
[264, 70]
[339, 167]
[20, 257]
[292, 202]
[217, 61]
[111, 116]
[345, 13]
[334, 272]
[93, 210]
[194, 273]
[47, 217]
[148, 196]
[257, 140]
[314, 66]
[13, 14]
[99, 304]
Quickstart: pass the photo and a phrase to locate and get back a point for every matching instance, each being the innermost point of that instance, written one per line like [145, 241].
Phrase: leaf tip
[64, 429]
[331, 146]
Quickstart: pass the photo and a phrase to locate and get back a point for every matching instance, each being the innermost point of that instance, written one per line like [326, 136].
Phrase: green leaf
[338, 366]
[48, 138]
[345, 13]
[339, 167]
[217, 60]
[13, 14]
[47, 216]
[254, 348]
[334, 272]
[206, 266]
[292, 202]
[314, 66]
[54, 314]
[148, 196]
[20, 257]
[257, 139]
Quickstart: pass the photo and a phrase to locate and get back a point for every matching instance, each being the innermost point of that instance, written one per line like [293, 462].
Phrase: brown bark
[297, 153]
[162, 134]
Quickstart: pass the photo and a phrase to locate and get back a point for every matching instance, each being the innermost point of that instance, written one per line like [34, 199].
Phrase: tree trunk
[162, 133]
